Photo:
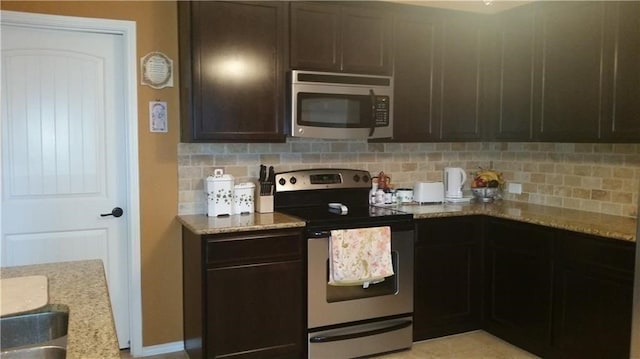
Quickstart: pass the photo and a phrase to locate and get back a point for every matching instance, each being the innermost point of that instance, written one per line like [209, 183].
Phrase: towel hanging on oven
[360, 256]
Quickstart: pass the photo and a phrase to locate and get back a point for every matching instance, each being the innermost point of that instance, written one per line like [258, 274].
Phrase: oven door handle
[334, 338]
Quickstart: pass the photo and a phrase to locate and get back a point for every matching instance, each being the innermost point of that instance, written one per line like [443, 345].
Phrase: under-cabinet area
[552, 291]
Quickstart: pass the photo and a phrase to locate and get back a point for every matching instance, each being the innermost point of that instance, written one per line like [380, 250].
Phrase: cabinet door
[570, 61]
[232, 79]
[255, 311]
[518, 284]
[622, 120]
[315, 38]
[415, 72]
[365, 40]
[593, 297]
[513, 94]
[340, 38]
[460, 82]
[448, 277]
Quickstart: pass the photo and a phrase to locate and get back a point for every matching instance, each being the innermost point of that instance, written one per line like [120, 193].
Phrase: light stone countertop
[81, 287]
[604, 225]
[201, 224]
[616, 227]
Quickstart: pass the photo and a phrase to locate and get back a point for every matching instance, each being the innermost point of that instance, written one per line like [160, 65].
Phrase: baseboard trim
[163, 348]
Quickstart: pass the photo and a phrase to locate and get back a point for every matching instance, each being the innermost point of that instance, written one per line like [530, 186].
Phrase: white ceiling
[473, 6]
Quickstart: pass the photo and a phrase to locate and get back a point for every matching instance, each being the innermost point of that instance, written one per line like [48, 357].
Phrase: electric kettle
[454, 178]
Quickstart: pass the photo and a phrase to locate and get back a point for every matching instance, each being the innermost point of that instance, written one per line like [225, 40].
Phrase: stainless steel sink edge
[60, 342]
[38, 325]
[38, 352]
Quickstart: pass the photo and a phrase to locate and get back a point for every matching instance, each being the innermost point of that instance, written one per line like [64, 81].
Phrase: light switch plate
[515, 188]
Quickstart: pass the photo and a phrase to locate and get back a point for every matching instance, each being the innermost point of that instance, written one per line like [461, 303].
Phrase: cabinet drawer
[519, 237]
[253, 248]
[600, 253]
[449, 230]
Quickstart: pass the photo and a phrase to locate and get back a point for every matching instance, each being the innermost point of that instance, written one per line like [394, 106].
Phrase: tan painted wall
[160, 233]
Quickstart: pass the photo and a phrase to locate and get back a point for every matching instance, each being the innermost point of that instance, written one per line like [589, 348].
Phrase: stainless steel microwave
[340, 106]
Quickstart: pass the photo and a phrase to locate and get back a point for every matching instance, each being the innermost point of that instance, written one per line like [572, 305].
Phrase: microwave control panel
[381, 108]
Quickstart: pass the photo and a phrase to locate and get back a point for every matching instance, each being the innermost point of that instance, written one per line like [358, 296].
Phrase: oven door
[333, 305]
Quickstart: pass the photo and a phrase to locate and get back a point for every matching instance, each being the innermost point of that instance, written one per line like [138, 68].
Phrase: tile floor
[471, 345]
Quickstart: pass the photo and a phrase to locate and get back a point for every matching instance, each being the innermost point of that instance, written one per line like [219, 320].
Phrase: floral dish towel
[360, 256]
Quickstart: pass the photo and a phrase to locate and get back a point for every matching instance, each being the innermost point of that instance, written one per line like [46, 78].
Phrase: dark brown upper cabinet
[621, 120]
[570, 78]
[548, 71]
[461, 79]
[416, 69]
[340, 37]
[232, 62]
[566, 72]
[510, 77]
[438, 79]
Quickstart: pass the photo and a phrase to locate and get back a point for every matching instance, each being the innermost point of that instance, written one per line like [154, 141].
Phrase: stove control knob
[365, 178]
[282, 182]
[356, 178]
[293, 180]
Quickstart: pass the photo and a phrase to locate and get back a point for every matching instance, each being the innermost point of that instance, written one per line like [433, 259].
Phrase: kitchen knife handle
[272, 179]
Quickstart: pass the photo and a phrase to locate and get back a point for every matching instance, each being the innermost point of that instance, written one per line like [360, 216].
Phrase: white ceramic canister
[219, 194]
[243, 198]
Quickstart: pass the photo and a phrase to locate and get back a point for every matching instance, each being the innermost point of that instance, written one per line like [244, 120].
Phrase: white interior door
[63, 153]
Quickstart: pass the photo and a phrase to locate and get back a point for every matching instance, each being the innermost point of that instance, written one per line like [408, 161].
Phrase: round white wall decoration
[157, 70]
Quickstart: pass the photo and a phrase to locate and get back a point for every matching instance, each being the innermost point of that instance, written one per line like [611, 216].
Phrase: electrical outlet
[515, 188]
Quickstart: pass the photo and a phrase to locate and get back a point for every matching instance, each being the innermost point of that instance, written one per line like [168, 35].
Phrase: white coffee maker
[454, 179]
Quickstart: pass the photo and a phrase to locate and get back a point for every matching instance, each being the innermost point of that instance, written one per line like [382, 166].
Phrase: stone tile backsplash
[601, 178]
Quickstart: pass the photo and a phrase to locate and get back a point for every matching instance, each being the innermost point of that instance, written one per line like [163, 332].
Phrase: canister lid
[219, 176]
[244, 185]
[223, 178]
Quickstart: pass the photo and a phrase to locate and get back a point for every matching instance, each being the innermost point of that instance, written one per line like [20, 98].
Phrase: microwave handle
[372, 128]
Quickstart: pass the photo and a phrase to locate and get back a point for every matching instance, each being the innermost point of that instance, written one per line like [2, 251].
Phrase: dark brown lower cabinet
[593, 294]
[448, 277]
[244, 295]
[518, 284]
[556, 293]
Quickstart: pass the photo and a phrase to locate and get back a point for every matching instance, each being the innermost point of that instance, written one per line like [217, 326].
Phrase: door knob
[116, 212]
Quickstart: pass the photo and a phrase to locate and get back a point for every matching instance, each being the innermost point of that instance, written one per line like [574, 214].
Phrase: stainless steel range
[355, 320]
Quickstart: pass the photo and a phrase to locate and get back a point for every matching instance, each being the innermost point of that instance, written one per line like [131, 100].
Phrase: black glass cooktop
[357, 216]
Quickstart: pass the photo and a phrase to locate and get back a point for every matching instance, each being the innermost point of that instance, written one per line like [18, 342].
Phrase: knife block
[264, 204]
